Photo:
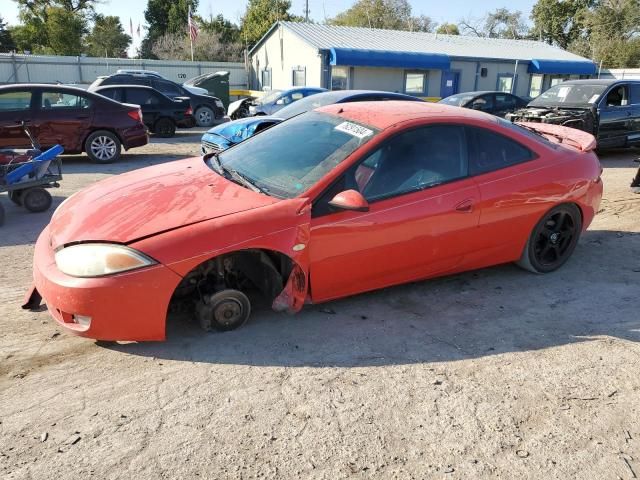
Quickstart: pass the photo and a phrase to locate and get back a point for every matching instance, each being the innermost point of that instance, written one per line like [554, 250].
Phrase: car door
[148, 102]
[615, 117]
[634, 134]
[15, 108]
[420, 220]
[508, 176]
[62, 117]
[504, 103]
[484, 103]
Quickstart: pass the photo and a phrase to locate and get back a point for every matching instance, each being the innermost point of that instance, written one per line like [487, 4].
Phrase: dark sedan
[495, 103]
[224, 136]
[160, 113]
[78, 120]
[206, 109]
[339, 96]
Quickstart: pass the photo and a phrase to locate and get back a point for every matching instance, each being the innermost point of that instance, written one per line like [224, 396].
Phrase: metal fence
[620, 73]
[84, 70]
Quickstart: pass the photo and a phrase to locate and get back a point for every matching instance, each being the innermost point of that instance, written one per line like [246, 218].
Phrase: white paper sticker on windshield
[563, 91]
[593, 99]
[353, 129]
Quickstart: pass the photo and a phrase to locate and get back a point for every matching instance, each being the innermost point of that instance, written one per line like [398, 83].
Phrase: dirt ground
[496, 373]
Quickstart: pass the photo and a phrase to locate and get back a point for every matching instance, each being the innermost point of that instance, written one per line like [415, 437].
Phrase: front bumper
[127, 306]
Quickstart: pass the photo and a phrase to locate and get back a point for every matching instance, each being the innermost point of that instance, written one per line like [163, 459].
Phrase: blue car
[226, 135]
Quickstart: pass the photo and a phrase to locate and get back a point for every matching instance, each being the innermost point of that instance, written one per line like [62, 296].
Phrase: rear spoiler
[579, 139]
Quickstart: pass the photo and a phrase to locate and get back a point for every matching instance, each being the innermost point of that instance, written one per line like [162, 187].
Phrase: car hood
[148, 201]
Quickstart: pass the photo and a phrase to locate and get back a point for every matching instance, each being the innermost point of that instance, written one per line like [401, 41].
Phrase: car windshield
[456, 100]
[578, 95]
[295, 154]
[304, 105]
[269, 97]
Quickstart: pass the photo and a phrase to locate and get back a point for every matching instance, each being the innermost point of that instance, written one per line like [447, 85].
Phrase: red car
[334, 202]
[78, 120]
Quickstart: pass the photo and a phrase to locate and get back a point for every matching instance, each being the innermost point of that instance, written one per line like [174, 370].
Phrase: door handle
[466, 206]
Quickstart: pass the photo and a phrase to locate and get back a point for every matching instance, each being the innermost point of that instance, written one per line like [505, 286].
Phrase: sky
[440, 11]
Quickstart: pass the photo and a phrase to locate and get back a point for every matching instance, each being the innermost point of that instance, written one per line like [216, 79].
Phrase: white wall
[281, 61]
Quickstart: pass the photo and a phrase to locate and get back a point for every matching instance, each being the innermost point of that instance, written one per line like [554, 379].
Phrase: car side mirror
[477, 105]
[350, 200]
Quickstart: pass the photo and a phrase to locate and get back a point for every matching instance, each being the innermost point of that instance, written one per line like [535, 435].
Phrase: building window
[556, 79]
[339, 78]
[505, 82]
[535, 88]
[299, 77]
[266, 78]
[415, 83]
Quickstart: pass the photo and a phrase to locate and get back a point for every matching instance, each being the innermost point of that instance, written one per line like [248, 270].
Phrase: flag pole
[191, 38]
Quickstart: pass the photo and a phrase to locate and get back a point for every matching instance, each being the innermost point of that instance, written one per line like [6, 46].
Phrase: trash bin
[217, 84]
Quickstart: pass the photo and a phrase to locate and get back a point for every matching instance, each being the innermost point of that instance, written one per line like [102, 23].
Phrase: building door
[449, 84]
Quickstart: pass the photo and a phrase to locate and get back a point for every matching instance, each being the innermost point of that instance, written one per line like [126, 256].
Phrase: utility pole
[306, 11]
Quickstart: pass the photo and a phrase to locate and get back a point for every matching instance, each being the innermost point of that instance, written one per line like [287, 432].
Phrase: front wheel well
[251, 270]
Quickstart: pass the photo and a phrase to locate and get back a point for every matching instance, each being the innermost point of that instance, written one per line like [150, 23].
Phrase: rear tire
[553, 240]
[103, 146]
[36, 199]
[205, 116]
[164, 128]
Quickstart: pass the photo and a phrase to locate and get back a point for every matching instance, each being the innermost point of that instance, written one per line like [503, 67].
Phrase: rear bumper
[137, 136]
[129, 306]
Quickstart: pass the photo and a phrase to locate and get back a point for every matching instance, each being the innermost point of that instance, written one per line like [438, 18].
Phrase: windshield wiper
[237, 177]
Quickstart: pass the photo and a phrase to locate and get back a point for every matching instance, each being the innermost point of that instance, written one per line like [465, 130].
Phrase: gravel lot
[496, 373]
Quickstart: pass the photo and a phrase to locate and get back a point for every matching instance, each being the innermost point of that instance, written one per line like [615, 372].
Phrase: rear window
[139, 96]
[60, 100]
[12, 101]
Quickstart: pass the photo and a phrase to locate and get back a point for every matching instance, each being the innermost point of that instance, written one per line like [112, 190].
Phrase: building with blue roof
[423, 64]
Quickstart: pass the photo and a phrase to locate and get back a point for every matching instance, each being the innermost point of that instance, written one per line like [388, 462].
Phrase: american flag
[193, 26]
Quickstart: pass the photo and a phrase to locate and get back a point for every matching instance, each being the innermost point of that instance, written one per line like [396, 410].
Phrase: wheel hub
[554, 238]
[228, 312]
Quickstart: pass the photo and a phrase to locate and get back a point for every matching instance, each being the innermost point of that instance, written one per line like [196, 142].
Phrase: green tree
[559, 22]
[6, 40]
[164, 16]
[64, 32]
[227, 31]
[612, 28]
[41, 19]
[501, 23]
[448, 29]
[107, 38]
[260, 15]
[385, 14]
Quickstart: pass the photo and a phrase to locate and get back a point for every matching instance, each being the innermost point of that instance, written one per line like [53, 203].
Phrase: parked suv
[207, 109]
[78, 120]
[608, 109]
[160, 113]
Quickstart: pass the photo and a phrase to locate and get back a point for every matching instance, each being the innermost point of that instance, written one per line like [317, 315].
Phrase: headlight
[219, 103]
[98, 259]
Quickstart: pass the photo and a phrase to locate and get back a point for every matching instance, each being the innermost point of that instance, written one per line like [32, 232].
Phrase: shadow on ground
[472, 315]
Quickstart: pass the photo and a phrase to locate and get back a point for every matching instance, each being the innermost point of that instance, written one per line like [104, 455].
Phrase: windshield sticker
[355, 130]
[593, 99]
[563, 91]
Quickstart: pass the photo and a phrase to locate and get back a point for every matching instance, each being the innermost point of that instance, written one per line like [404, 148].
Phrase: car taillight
[136, 115]
[189, 111]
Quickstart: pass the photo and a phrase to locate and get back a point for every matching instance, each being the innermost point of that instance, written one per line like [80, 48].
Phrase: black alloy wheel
[553, 240]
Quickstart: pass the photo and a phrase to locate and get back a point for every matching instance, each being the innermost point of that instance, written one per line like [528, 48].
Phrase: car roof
[122, 85]
[383, 115]
[40, 86]
[598, 81]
